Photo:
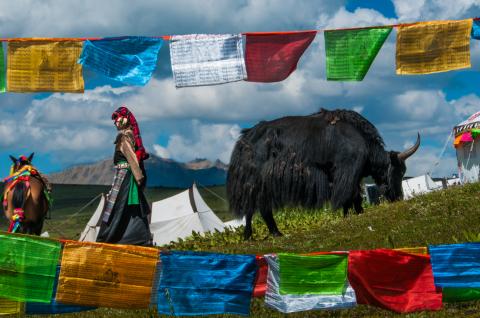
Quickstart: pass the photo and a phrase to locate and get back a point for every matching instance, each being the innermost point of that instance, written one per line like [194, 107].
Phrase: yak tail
[19, 195]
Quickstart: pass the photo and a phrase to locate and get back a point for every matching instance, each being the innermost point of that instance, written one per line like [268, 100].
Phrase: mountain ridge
[161, 172]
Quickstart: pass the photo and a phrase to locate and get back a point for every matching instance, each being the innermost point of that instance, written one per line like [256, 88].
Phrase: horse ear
[13, 159]
[30, 158]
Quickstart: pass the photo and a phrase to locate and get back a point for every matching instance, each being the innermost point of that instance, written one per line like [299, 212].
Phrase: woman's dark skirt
[127, 224]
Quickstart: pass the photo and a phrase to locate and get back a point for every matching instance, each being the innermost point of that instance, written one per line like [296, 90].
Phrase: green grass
[447, 216]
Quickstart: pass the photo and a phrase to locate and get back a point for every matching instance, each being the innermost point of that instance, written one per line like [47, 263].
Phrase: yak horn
[407, 153]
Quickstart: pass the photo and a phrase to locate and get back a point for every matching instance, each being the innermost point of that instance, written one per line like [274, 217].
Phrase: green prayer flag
[28, 267]
[320, 274]
[451, 295]
[2, 71]
[351, 52]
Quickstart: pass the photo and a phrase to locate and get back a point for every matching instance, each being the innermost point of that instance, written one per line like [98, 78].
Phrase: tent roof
[177, 216]
[471, 122]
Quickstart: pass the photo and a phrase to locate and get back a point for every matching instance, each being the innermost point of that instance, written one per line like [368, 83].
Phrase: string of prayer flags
[393, 280]
[476, 29]
[106, 275]
[27, 267]
[38, 65]
[288, 303]
[272, 57]
[431, 47]
[207, 59]
[261, 279]
[34, 308]
[320, 274]
[351, 52]
[131, 60]
[199, 283]
[456, 265]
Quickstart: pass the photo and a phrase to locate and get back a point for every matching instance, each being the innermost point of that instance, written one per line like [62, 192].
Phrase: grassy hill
[447, 216]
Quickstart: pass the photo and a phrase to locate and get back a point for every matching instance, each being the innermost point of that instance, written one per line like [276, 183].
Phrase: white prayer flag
[207, 59]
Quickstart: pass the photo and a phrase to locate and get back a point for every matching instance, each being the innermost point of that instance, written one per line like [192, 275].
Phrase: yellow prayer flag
[38, 65]
[431, 47]
[107, 275]
[10, 307]
[414, 250]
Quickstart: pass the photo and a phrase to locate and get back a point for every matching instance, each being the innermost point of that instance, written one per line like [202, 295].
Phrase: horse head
[20, 162]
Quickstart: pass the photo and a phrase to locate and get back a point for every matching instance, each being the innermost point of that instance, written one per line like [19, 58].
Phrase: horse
[26, 197]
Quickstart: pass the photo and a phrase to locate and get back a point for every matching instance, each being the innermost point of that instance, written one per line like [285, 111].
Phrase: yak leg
[357, 203]
[345, 188]
[346, 207]
[247, 233]
[267, 216]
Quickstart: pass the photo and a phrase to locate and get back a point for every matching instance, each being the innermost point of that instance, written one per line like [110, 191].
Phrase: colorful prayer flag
[320, 274]
[131, 60]
[351, 52]
[423, 250]
[272, 57]
[261, 279]
[38, 65]
[431, 47]
[207, 59]
[34, 308]
[393, 280]
[453, 295]
[10, 307]
[476, 29]
[106, 275]
[27, 267]
[294, 303]
[456, 265]
[199, 283]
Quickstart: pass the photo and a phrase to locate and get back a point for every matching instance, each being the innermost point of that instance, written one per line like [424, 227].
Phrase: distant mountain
[160, 173]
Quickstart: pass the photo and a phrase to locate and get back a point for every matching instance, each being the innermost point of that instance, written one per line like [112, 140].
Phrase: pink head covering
[139, 149]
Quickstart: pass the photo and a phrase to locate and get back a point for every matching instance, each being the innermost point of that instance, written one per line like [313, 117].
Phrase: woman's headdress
[126, 113]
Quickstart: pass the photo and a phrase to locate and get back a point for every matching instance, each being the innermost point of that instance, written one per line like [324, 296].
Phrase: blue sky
[204, 122]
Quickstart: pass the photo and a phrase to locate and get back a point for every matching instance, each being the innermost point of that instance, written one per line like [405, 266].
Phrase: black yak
[307, 161]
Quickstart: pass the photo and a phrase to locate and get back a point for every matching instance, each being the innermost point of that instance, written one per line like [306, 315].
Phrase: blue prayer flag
[456, 265]
[198, 283]
[476, 29]
[34, 308]
[131, 60]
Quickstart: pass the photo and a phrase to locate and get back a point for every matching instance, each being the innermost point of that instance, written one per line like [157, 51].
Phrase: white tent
[90, 232]
[177, 216]
[418, 185]
[468, 148]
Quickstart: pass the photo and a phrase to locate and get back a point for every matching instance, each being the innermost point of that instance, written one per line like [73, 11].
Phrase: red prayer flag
[393, 280]
[261, 279]
[272, 57]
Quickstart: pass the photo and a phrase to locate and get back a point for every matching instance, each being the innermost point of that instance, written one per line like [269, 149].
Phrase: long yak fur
[307, 161]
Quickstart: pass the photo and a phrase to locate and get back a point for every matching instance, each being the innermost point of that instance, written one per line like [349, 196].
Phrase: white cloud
[424, 10]
[205, 141]
[161, 152]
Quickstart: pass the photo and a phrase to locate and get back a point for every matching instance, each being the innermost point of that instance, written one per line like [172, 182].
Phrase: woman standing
[125, 215]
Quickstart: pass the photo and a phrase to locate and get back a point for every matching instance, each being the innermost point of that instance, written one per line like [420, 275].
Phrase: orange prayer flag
[107, 275]
[39, 65]
[431, 47]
